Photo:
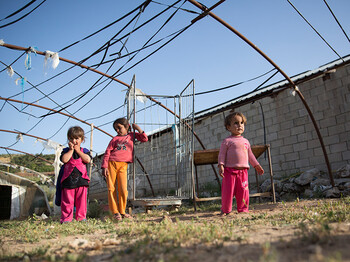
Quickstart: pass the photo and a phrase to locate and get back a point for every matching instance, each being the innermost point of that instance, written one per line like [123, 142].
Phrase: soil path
[259, 242]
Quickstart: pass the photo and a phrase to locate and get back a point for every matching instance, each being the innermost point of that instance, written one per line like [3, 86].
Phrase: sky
[206, 52]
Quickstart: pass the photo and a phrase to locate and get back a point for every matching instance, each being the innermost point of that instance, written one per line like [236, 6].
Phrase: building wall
[294, 143]
[295, 146]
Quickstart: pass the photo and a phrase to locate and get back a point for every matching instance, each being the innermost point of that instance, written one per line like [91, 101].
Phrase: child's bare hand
[137, 127]
[221, 170]
[71, 145]
[259, 169]
[105, 172]
[76, 148]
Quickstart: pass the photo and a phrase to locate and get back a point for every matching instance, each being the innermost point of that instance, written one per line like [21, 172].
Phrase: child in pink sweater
[234, 155]
[118, 154]
[74, 181]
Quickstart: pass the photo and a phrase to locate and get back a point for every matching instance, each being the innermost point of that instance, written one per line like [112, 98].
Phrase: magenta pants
[235, 184]
[74, 197]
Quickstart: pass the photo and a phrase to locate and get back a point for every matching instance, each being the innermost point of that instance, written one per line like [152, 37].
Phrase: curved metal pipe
[204, 9]
[43, 159]
[15, 47]
[50, 109]
[21, 133]
[53, 110]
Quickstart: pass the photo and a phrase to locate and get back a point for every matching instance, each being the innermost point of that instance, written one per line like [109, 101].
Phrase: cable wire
[86, 92]
[236, 84]
[267, 80]
[109, 43]
[14, 61]
[19, 10]
[186, 10]
[181, 31]
[23, 15]
[336, 20]
[33, 87]
[103, 28]
[315, 30]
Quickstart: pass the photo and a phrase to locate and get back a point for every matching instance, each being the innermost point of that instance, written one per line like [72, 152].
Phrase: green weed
[317, 233]
[148, 238]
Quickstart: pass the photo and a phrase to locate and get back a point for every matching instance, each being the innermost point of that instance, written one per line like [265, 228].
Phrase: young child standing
[118, 154]
[75, 181]
[234, 155]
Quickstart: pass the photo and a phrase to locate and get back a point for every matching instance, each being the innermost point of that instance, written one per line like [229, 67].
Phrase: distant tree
[32, 162]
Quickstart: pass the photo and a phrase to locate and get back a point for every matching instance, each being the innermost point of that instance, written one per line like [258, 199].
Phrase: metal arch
[207, 11]
[70, 116]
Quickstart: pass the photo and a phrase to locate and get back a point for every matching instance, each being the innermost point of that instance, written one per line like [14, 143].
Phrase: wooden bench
[210, 156]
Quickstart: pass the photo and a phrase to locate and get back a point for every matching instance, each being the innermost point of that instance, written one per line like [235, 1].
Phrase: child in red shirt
[234, 155]
[115, 165]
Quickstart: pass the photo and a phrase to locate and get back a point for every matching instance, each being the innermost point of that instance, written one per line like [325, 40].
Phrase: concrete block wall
[295, 146]
[158, 157]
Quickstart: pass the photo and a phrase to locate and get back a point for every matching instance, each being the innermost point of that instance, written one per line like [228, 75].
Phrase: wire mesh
[163, 166]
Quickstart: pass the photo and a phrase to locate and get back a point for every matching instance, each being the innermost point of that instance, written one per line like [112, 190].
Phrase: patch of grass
[157, 236]
[211, 206]
[33, 229]
[317, 233]
[209, 189]
[95, 209]
[269, 253]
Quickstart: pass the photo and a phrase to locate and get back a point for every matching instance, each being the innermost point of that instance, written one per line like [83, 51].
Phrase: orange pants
[117, 180]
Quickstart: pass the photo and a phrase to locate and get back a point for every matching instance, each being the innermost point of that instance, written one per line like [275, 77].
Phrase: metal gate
[162, 171]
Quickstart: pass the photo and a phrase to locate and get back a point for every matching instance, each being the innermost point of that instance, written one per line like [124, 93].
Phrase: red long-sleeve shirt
[120, 148]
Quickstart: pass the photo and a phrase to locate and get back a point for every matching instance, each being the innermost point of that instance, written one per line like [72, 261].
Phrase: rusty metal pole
[15, 47]
[38, 157]
[21, 133]
[207, 11]
[53, 110]
[17, 101]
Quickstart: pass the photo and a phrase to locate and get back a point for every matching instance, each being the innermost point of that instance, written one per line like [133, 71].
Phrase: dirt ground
[260, 242]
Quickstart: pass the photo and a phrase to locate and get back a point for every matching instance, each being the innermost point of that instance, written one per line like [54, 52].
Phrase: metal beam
[293, 86]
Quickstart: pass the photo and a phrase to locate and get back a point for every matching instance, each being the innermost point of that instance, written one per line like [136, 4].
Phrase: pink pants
[73, 197]
[235, 183]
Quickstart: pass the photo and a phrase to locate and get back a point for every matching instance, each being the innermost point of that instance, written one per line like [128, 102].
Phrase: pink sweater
[235, 151]
[120, 148]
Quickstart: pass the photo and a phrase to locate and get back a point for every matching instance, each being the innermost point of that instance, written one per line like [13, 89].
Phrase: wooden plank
[210, 156]
[265, 194]
[206, 157]
[258, 150]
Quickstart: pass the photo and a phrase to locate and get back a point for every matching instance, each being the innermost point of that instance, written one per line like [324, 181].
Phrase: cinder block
[331, 139]
[291, 140]
[292, 156]
[338, 148]
[302, 163]
[286, 149]
[346, 155]
[300, 147]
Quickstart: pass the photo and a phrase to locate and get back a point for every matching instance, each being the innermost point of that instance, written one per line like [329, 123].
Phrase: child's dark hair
[122, 121]
[229, 118]
[75, 132]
